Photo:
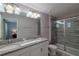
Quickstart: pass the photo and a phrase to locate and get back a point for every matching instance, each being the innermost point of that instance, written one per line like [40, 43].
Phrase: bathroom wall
[45, 25]
[0, 26]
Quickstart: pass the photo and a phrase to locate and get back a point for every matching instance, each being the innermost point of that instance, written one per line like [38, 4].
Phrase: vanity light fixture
[9, 9]
[29, 14]
[32, 15]
[17, 10]
[39, 15]
[13, 9]
[36, 15]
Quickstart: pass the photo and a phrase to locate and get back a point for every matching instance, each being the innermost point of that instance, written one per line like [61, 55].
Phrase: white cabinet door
[40, 49]
[35, 50]
[45, 48]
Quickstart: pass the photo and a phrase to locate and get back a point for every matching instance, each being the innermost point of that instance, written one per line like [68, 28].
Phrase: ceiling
[59, 10]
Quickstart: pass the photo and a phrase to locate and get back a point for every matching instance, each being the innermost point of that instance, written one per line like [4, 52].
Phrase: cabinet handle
[41, 49]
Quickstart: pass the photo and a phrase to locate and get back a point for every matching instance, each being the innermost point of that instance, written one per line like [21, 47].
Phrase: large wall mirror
[8, 28]
[16, 23]
[14, 27]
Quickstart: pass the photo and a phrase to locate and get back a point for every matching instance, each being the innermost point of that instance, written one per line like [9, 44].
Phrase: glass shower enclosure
[68, 34]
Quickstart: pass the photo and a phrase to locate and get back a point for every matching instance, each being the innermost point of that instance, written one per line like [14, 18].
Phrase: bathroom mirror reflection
[10, 28]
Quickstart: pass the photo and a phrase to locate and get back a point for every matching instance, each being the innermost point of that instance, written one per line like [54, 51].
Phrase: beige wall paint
[45, 25]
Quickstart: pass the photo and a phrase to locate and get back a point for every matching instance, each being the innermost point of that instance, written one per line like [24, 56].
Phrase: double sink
[15, 45]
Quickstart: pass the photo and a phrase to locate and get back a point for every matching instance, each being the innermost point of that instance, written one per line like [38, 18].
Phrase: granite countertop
[18, 45]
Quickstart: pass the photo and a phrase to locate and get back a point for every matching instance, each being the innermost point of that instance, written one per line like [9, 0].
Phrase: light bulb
[9, 9]
[17, 10]
[29, 14]
[36, 15]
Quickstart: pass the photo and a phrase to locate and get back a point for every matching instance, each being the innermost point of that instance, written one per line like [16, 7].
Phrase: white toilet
[53, 49]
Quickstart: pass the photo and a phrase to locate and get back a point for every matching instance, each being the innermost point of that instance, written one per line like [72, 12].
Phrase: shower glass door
[72, 35]
[68, 34]
[60, 31]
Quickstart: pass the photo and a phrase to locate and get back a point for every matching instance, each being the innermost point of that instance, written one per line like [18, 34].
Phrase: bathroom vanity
[32, 47]
[22, 27]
